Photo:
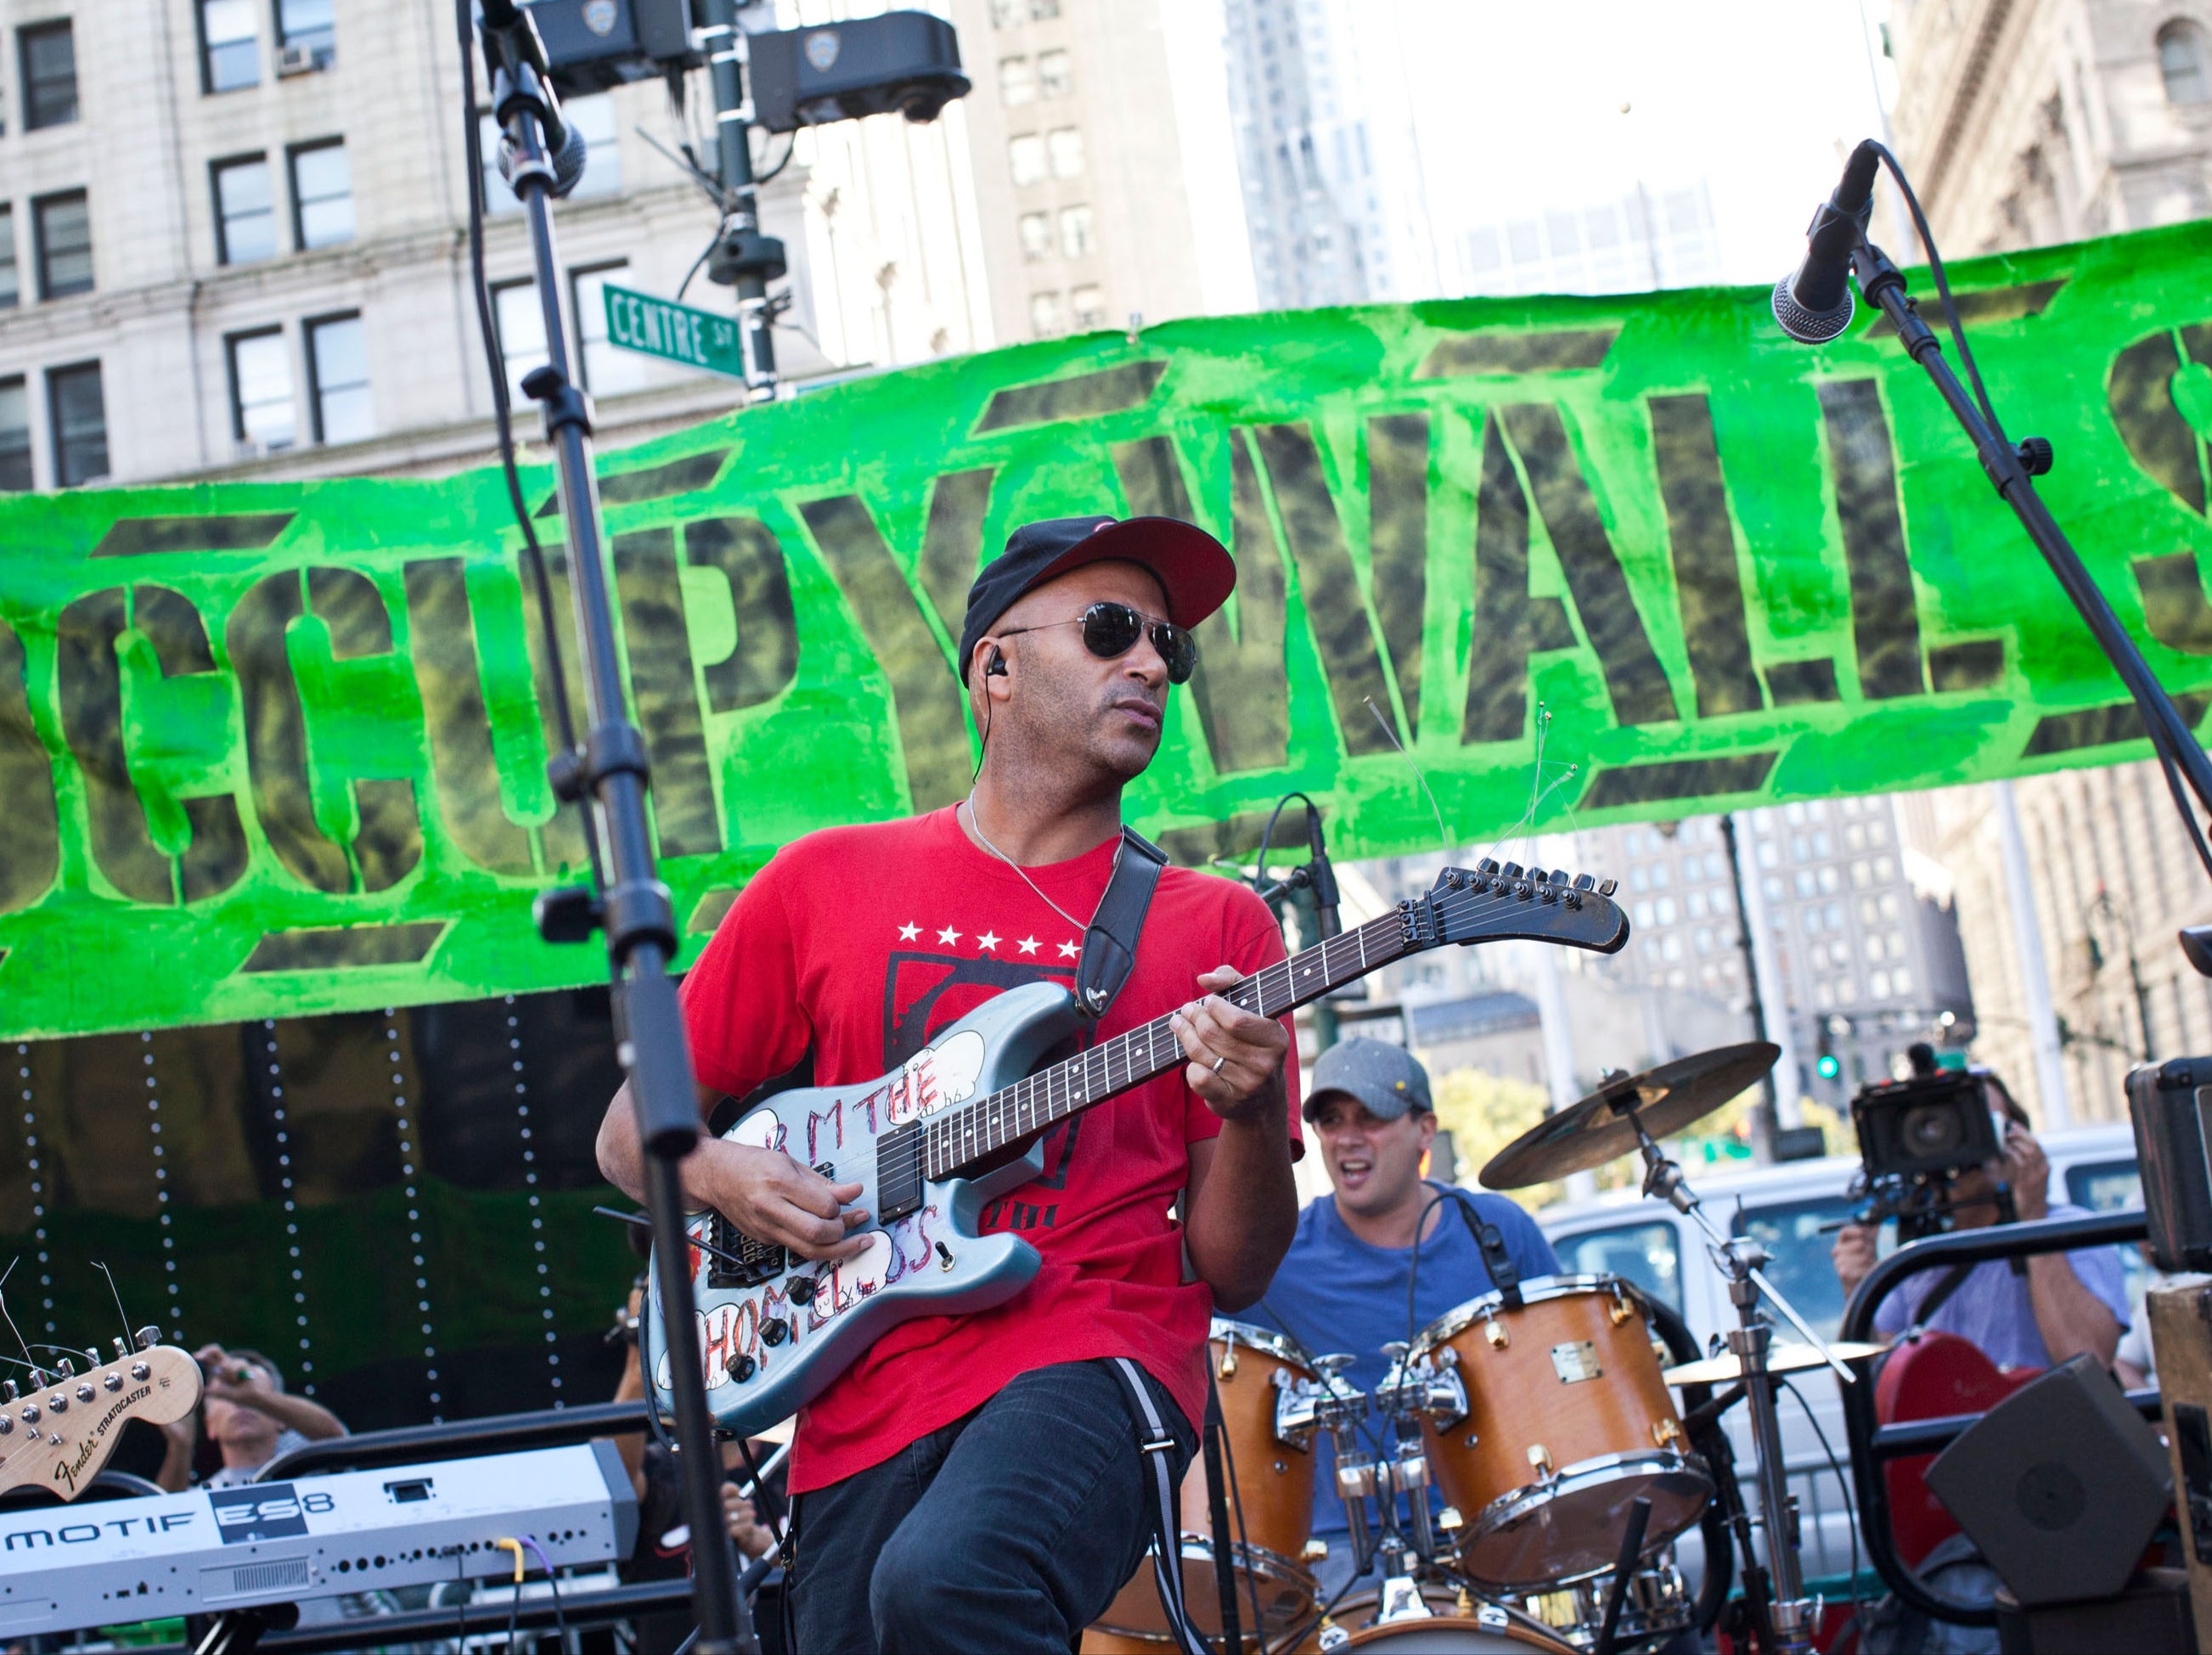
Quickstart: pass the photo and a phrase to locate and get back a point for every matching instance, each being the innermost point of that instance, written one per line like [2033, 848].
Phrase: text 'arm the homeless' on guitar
[930, 1143]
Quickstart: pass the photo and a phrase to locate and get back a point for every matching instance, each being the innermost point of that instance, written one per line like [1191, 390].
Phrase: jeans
[1009, 1530]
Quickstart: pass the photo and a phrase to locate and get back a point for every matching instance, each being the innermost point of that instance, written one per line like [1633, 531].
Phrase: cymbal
[1725, 1369]
[1666, 1099]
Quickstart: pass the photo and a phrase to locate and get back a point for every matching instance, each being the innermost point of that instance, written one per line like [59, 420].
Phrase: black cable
[1236, 1504]
[502, 418]
[460, 1601]
[1259, 862]
[1835, 1466]
[760, 179]
[697, 263]
[764, 1499]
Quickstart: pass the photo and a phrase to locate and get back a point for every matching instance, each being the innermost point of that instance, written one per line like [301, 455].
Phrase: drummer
[1342, 1287]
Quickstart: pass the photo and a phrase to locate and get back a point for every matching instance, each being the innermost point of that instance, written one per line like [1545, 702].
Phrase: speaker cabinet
[2061, 1486]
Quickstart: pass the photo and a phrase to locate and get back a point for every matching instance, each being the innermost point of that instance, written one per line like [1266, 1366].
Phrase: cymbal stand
[1790, 1618]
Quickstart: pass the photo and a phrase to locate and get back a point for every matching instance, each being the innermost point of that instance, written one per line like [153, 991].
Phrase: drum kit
[1540, 1416]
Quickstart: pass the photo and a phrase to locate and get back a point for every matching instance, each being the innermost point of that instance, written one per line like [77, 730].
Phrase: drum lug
[1313, 1551]
[1541, 1457]
[1494, 1330]
[1449, 1519]
[1227, 1366]
[1619, 1310]
[1664, 1432]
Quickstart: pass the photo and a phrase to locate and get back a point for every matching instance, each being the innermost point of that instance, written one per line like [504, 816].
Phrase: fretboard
[958, 1137]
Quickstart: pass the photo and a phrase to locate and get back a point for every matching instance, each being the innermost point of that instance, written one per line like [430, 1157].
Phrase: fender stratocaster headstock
[1490, 902]
[59, 1433]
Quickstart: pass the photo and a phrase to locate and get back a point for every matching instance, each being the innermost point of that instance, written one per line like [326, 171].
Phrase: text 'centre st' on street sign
[673, 332]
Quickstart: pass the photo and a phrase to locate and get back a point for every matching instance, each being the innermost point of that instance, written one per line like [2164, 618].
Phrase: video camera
[1915, 1135]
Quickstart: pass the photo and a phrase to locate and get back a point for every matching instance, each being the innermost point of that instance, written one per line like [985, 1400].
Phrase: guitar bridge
[739, 1260]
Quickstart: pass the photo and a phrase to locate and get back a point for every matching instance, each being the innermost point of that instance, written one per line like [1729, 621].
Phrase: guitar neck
[957, 1138]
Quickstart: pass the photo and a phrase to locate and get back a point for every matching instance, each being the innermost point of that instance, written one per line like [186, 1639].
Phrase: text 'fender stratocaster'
[933, 1141]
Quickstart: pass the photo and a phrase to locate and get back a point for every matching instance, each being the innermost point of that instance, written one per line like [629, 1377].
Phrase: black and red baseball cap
[1193, 569]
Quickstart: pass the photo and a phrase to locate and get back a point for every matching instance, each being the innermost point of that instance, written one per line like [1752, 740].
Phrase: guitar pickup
[739, 1260]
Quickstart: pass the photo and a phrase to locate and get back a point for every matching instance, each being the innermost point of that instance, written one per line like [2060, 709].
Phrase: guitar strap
[1109, 942]
[1157, 1444]
[1948, 1283]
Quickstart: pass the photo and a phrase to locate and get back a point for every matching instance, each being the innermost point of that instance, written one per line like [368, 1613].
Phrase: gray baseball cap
[1385, 1078]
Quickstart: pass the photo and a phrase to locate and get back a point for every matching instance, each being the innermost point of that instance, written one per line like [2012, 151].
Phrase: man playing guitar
[975, 1482]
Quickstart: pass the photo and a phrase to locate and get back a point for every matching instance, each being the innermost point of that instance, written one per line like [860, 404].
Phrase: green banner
[276, 749]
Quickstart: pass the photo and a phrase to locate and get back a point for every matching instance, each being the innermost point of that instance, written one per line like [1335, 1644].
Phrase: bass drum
[1454, 1623]
[1265, 1392]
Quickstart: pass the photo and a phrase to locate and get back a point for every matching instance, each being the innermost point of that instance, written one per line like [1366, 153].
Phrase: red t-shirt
[859, 943]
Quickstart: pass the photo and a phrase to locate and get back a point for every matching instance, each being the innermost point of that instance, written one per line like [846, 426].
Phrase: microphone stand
[635, 911]
[2011, 467]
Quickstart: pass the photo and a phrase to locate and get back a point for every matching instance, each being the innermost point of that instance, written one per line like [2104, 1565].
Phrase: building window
[608, 369]
[597, 118]
[11, 287]
[1037, 236]
[230, 52]
[322, 195]
[49, 65]
[337, 377]
[1066, 145]
[1054, 78]
[15, 436]
[1075, 231]
[2181, 61]
[521, 325]
[1089, 304]
[308, 26]
[1044, 314]
[244, 211]
[262, 413]
[1016, 82]
[1043, 10]
[1004, 13]
[63, 226]
[1025, 158]
[77, 415]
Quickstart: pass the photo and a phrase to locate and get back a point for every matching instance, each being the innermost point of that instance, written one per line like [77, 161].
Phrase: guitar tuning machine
[149, 1337]
[68, 1368]
[1606, 887]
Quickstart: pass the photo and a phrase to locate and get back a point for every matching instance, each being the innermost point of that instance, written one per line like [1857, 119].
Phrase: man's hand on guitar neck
[1236, 1055]
[764, 1192]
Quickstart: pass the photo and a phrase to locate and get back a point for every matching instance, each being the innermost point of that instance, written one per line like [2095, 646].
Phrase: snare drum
[1543, 1421]
[1266, 1395]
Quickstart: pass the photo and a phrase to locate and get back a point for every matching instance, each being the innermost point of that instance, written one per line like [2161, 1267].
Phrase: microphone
[511, 44]
[1814, 301]
[1320, 878]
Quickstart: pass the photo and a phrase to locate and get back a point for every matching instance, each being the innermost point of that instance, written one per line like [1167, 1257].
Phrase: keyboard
[108, 1563]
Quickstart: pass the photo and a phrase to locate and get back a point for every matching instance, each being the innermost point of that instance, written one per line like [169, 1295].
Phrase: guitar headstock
[59, 1433]
[1490, 903]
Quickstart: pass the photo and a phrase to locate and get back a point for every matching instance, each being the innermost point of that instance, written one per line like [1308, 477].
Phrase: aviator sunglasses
[1111, 631]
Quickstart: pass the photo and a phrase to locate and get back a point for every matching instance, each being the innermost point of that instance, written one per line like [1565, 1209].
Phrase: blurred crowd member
[246, 1414]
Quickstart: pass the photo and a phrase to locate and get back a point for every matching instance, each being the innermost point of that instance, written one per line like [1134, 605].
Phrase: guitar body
[1931, 1377]
[931, 1263]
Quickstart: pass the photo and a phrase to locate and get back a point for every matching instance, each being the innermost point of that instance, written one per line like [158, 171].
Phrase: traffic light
[1824, 1062]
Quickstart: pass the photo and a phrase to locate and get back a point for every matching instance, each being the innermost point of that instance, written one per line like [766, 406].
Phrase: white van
[1793, 1209]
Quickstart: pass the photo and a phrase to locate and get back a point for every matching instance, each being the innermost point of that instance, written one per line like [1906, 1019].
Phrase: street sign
[673, 332]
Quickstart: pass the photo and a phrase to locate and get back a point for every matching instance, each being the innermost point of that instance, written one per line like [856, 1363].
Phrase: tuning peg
[92, 1356]
[1512, 870]
[1606, 887]
[7, 1392]
[149, 1337]
[1485, 868]
[68, 1368]
[122, 1350]
[1583, 882]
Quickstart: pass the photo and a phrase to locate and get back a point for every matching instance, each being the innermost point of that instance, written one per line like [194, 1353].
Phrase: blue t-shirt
[1992, 1309]
[1334, 1293]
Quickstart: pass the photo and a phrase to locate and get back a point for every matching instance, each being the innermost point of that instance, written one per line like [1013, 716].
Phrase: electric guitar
[59, 1433]
[1930, 1378]
[935, 1140]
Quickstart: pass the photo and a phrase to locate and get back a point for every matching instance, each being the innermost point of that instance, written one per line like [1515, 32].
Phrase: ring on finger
[1217, 1062]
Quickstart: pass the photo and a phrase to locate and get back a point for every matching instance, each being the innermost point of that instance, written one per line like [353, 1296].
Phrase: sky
[1519, 106]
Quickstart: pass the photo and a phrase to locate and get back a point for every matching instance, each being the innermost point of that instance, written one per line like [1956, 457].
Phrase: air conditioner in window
[295, 59]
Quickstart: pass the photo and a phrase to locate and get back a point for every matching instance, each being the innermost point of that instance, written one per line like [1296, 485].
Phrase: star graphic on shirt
[1069, 951]
[1029, 945]
[987, 940]
[909, 932]
[948, 935]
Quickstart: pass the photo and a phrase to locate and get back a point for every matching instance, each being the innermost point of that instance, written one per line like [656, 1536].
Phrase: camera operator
[2035, 1312]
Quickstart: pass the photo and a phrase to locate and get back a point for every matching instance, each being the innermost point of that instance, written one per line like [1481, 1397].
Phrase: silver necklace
[976, 823]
